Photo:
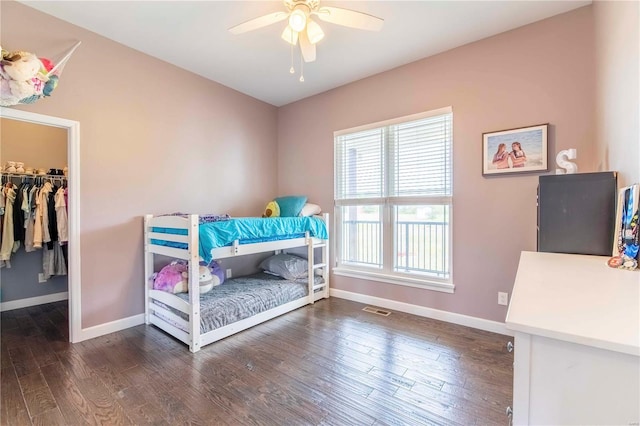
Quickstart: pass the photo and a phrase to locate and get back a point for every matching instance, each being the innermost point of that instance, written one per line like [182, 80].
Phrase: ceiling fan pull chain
[292, 70]
[301, 69]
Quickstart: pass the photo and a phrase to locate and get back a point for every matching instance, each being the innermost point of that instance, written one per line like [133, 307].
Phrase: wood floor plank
[42, 350]
[23, 360]
[106, 409]
[49, 418]
[200, 403]
[174, 410]
[72, 404]
[74, 363]
[236, 411]
[261, 403]
[147, 414]
[14, 409]
[418, 413]
[39, 401]
[32, 381]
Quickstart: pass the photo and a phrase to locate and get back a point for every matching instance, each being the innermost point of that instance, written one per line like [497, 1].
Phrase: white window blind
[420, 157]
[417, 154]
[360, 165]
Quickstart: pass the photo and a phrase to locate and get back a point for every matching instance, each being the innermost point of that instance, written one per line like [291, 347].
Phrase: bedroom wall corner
[617, 41]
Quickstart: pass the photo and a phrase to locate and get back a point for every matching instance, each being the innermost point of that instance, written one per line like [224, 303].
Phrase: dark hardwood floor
[327, 364]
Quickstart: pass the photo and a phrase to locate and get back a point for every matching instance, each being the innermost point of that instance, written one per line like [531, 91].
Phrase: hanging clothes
[61, 216]
[53, 221]
[41, 226]
[30, 219]
[18, 217]
[35, 214]
[8, 244]
[53, 262]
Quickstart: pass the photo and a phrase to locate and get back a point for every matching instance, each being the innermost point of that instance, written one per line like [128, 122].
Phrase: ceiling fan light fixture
[290, 36]
[304, 31]
[298, 20]
[314, 32]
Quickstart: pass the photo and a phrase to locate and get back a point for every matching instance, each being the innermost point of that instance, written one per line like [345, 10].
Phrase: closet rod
[22, 175]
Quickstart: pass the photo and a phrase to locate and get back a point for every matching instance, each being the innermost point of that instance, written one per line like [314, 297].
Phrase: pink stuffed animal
[170, 278]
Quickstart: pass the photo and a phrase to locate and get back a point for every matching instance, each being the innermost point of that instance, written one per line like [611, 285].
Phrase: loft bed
[200, 319]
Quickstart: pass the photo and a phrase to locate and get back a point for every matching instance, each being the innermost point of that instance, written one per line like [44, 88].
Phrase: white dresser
[577, 341]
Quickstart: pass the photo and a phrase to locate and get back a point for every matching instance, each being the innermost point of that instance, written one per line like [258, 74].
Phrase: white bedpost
[310, 267]
[325, 257]
[148, 267]
[194, 283]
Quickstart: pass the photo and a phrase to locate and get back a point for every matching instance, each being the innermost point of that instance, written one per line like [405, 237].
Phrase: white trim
[392, 121]
[73, 157]
[423, 311]
[424, 284]
[109, 327]
[33, 301]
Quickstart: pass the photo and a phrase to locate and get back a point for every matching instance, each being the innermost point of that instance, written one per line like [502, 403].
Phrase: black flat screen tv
[576, 213]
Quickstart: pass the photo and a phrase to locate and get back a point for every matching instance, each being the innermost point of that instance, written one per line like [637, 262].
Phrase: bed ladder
[323, 265]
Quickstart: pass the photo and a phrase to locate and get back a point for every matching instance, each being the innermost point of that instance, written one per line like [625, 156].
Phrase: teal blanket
[249, 230]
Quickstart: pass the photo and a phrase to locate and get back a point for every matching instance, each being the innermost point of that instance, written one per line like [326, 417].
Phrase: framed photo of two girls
[515, 150]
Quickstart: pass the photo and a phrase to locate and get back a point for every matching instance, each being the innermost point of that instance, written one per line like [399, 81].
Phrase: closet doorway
[73, 177]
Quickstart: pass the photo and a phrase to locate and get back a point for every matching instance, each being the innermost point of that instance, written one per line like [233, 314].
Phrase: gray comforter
[243, 297]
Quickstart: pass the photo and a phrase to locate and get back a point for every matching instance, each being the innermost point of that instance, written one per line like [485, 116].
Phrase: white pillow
[310, 209]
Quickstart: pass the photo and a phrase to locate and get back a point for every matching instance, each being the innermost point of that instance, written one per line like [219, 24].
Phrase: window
[393, 196]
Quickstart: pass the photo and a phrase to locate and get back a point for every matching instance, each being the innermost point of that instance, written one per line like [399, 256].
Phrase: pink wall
[540, 73]
[35, 145]
[617, 35]
[154, 139]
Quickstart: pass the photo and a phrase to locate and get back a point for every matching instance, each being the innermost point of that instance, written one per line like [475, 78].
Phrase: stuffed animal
[272, 210]
[174, 278]
[206, 279]
[170, 279]
[25, 75]
[22, 66]
[6, 97]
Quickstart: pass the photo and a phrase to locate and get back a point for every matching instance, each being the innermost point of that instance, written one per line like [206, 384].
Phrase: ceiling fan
[303, 28]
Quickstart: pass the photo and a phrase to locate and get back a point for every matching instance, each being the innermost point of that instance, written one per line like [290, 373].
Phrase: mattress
[247, 230]
[243, 297]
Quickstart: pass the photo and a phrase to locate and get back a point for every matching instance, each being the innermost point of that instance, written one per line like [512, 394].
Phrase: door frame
[73, 158]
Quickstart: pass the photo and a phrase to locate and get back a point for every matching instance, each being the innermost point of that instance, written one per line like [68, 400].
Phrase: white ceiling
[194, 36]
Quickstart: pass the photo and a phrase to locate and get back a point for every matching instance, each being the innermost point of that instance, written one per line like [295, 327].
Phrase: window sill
[423, 284]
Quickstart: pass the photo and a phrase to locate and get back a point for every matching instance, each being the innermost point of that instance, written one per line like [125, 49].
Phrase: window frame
[388, 205]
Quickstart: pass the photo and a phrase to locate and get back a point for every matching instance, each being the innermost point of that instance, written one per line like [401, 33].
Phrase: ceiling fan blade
[260, 22]
[308, 49]
[350, 18]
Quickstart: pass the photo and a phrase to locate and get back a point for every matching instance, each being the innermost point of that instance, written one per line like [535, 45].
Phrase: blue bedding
[248, 230]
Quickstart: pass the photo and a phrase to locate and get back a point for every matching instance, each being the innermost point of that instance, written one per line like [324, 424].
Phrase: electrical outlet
[503, 298]
[41, 278]
[228, 273]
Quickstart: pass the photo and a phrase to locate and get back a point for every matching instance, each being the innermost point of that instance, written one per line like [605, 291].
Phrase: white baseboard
[109, 327]
[33, 301]
[423, 311]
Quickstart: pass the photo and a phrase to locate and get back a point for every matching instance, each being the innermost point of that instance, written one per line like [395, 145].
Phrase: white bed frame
[194, 338]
